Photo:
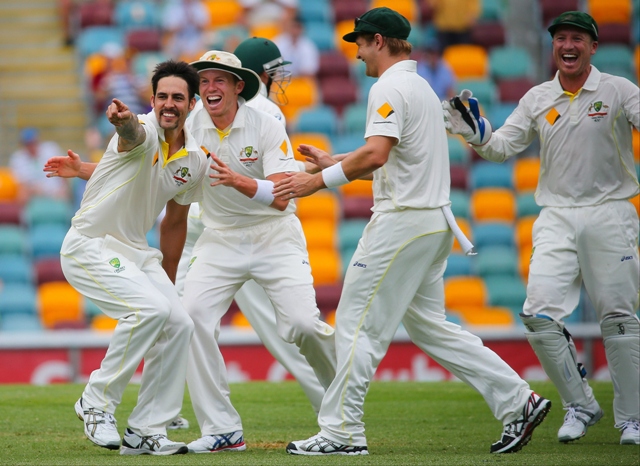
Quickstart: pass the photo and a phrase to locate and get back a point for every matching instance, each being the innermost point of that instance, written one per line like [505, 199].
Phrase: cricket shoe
[630, 432]
[319, 445]
[518, 433]
[158, 445]
[99, 426]
[576, 422]
[232, 441]
[178, 423]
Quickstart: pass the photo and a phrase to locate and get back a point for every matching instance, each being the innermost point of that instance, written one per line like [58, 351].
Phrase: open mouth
[214, 100]
[168, 115]
[569, 58]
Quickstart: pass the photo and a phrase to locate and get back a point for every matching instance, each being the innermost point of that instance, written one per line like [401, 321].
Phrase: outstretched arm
[317, 160]
[69, 167]
[127, 126]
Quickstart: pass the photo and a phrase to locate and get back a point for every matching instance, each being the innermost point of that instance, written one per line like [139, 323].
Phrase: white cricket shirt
[255, 145]
[402, 105]
[128, 190]
[586, 151]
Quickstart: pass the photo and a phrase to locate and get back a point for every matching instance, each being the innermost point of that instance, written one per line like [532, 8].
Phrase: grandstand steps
[40, 84]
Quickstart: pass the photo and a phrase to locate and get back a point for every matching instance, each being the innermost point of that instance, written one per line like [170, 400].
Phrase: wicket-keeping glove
[467, 122]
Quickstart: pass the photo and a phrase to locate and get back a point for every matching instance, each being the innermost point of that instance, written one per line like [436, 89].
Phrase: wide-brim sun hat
[225, 61]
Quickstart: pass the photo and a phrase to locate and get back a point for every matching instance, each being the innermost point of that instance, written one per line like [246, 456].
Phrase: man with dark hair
[396, 273]
[151, 161]
[587, 230]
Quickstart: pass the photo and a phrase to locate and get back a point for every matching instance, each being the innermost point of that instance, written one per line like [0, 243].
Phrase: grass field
[407, 424]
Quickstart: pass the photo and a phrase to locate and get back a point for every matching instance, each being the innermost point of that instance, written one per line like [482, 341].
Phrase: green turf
[407, 423]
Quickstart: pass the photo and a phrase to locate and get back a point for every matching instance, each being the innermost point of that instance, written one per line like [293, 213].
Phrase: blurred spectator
[116, 80]
[26, 164]
[185, 22]
[436, 71]
[454, 19]
[295, 47]
[268, 11]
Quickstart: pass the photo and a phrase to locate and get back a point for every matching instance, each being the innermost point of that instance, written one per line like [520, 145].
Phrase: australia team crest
[181, 176]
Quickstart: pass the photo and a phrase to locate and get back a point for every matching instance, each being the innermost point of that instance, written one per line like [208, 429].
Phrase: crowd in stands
[458, 44]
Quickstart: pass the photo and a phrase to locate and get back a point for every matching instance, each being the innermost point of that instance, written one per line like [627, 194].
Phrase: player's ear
[239, 86]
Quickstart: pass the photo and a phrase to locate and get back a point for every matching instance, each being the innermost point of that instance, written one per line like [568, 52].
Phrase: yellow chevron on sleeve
[552, 116]
[385, 111]
[284, 147]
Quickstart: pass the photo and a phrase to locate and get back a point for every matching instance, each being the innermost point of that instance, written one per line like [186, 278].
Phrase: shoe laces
[632, 424]
[570, 417]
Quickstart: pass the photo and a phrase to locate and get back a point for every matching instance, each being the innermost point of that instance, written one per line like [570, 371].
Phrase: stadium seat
[467, 61]
[526, 205]
[10, 213]
[459, 177]
[524, 231]
[508, 62]
[491, 175]
[343, 144]
[302, 92]
[103, 323]
[15, 268]
[338, 92]
[610, 11]
[615, 59]
[317, 119]
[349, 234]
[45, 241]
[407, 8]
[9, 186]
[47, 211]
[60, 304]
[550, 9]
[355, 206]
[143, 40]
[506, 291]
[328, 296]
[493, 10]
[348, 11]
[512, 90]
[357, 188]
[614, 33]
[458, 151]
[12, 240]
[320, 233]
[488, 34]
[462, 291]
[136, 14]
[92, 39]
[486, 234]
[459, 265]
[318, 11]
[333, 63]
[220, 37]
[636, 200]
[95, 13]
[490, 316]
[143, 63]
[48, 270]
[319, 140]
[323, 205]
[354, 119]
[525, 174]
[224, 12]
[322, 34]
[348, 49]
[465, 226]
[20, 323]
[635, 136]
[497, 260]
[524, 260]
[460, 203]
[326, 266]
[17, 298]
[499, 113]
[484, 90]
[240, 321]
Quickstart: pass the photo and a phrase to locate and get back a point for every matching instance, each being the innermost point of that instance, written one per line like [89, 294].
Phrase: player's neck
[175, 138]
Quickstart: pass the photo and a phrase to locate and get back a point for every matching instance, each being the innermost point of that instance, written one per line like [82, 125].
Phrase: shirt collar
[190, 144]
[402, 65]
[591, 84]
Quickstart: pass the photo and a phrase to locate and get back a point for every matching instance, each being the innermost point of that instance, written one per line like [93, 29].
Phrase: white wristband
[334, 176]
[264, 193]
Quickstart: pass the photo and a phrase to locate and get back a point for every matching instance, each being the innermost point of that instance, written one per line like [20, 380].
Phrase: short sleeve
[385, 110]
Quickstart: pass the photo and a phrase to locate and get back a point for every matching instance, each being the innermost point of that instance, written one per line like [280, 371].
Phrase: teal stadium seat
[17, 298]
[20, 323]
[459, 265]
[499, 113]
[510, 62]
[458, 151]
[497, 260]
[318, 119]
[485, 90]
[486, 234]
[349, 233]
[459, 203]
[354, 119]
[137, 14]
[526, 205]
[506, 291]
[347, 142]
[321, 34]
[12, 239]
[489, 174]
[92, 39]
[47, 211]
[223, 35]
[15, 268]
[318, 11]
[46, 240]
[493, 10]
[615, 59]
[143, 63]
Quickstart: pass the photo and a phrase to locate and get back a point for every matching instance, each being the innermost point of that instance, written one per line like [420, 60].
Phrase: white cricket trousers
[272, 253]
[130, 285]
[396, 276]
[256, 307]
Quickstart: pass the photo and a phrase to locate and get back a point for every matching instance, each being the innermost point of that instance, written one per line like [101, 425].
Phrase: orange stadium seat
[224, 12]
[486, 315]
[348, 49]
[319, 140]
[638, 70]
[323, 205]
[320, 233]
[326, 266]
[266, 30]
[60, 305]
[357, 188]
[636, 203]
[302, 92]
[239, 320]
[464, 292]
[467, 61]
[524, 231]
[610, 11]
[493, 204]
[465, 226]
[524, 259]
[9, 186]
[635, 136]
[525, 174]
[407, 8]
[103, 323]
